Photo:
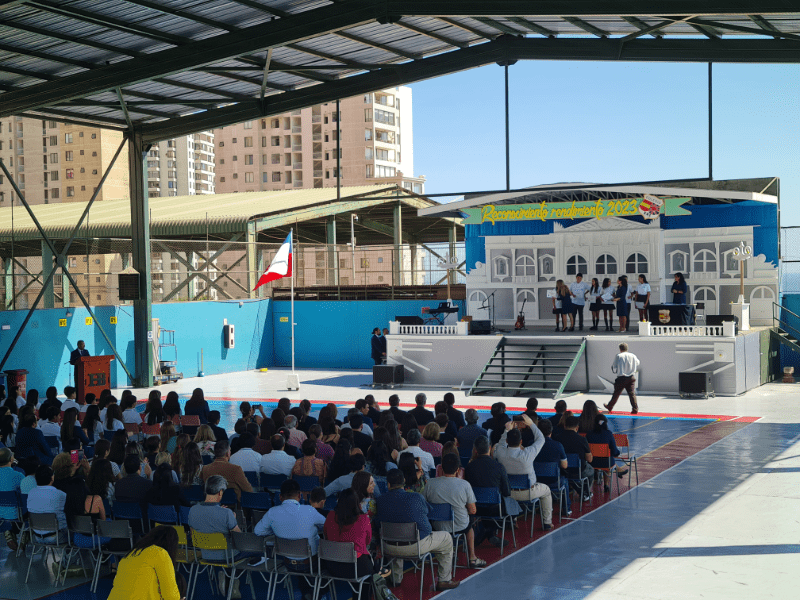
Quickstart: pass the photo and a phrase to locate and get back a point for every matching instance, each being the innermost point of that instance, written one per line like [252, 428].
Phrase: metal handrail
[780, 322]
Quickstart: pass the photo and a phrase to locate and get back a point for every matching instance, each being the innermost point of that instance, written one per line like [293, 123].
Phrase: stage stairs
[529, 367]
[782, 330]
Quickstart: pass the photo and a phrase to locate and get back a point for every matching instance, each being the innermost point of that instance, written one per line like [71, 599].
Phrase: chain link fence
[790, 260]
[194, 270]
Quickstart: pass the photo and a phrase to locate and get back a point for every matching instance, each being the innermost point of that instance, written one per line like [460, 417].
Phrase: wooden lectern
[92, 374]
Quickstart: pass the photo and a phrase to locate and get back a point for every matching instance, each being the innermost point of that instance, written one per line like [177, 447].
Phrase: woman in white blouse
[642, 297]
[608, 304]
[129, 412]
[113, 420]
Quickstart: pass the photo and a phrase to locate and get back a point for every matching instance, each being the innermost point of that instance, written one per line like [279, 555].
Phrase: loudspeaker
[695, 382]
[387, 374]
[128, 286]
[480, 328]
[409, 320]
[228, 336]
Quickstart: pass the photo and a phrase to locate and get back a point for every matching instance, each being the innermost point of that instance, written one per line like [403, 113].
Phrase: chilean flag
[281, 265]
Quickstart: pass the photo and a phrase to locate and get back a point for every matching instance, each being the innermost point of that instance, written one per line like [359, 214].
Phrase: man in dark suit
[421, 414]
[376, 344]
[360, 439]
[373, 410]
[213, 422]
[394, 408]
[74, 357]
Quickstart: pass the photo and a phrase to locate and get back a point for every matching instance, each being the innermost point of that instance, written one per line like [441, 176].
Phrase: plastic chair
[229, 498]
[149, 430]
[12, 500]
[256, 501]
[382, 485]
[272, 484]
[194, 493]
[88, 452]
[130, 511]
[190, 424]
[574, 474]
[297, 550]
[115, 530]
[342, 553]
[307, 482]
[83, 525]
[523, 483]
[207, 459]
[48, 523]
[253, 477]
[211, 542]
[489, 497]
[629, 458]
[405, 534]
[183, 515]
[133, 429]
[549, 473]
[162, 515]
[252, 543]
[186, 555]
[603, 451]
[54, 443]
[444, 512]
[108, 434]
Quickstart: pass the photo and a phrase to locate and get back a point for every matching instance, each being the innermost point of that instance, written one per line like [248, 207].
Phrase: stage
[737, 363]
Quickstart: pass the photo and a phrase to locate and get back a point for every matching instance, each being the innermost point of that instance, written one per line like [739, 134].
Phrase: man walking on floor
[626, 364]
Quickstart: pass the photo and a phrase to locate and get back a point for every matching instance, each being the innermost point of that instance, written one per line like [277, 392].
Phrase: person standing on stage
[578, 291]
[679, 289]
[642, 297]
[595, 303]
[623, 307]
[566, 305]
[377, 346]
[385, 343]
[626, 364]
[74, 357]
[557, 306]
[607, 295]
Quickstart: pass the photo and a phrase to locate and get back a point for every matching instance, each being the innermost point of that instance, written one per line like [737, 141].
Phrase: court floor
[712, 516]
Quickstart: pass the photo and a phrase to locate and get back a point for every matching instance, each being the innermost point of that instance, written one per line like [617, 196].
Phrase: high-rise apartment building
[299, 149]
[182, 167]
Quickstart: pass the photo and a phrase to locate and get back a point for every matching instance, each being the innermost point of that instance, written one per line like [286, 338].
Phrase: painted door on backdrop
[282, 334]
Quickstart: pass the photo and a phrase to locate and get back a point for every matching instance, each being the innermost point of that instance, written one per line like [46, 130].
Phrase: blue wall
[788, 357]
[336, 335]
[44, 347]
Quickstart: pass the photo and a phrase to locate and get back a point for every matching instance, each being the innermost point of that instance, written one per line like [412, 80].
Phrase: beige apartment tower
[298, 149]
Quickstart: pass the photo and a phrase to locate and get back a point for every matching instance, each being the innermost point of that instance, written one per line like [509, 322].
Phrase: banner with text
[648, 206]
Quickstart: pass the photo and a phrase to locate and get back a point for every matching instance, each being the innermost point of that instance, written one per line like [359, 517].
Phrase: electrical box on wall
[228, 335]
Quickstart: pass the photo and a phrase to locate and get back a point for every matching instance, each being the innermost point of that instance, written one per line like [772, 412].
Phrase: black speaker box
[414, 320]
[480, 328]
[695, 382]
[387, 374]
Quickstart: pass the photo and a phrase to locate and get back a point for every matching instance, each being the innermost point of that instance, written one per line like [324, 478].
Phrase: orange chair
[629, 458]
[81, 416]
[132, 429]
[151, 429]
[603, 451]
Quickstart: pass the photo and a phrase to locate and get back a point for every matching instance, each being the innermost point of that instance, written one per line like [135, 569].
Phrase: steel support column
[140, 245]
[251, 249]
[398, 244]
[48, 301]
[333, 265]
[191, 284]
[8, 274]
[452, 238]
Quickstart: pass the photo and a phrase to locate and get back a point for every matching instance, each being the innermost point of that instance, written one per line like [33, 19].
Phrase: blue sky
[609, 122]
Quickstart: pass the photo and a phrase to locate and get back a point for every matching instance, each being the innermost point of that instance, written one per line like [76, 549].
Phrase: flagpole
[291, 233]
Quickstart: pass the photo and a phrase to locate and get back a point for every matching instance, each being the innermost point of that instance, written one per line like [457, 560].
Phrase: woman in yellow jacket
[148, 571]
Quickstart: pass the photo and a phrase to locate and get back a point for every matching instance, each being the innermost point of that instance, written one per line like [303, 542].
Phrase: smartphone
[518, 418]
[75, 457]
[256, 406]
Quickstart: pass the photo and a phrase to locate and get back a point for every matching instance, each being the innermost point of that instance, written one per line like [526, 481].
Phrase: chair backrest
[229, 497]
[257, 515]
[601, 451]
[519, 482]
[190, 420]
[254, 479]
[488, 495]
[84, 525]
[81, 416]
[207, 459]
[209, 541]
[399, 532]
[621, 440]
[247, 542]
[132, 427]
[162, 514]
[547, 472]
[183, 515]
[151, 429]
[52, 441]
[44, 521]
[292, 548]
[118, 530]
[194, 493]
[127, 510]
[88, 452]
[341, 552]
[272, 482]
[441, 512]
[256, 500]
[573, 461]
[382, 485]
[306, 482]
[10, 500]
[183, 539]
[108, 434]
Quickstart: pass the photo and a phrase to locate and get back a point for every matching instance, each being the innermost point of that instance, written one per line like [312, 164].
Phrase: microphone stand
[492, 319]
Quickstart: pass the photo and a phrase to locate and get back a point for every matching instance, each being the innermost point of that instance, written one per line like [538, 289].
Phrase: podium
[92, 375]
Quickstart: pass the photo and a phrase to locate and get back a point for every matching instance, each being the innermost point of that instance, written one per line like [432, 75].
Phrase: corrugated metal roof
[188, 215]
[59, 45]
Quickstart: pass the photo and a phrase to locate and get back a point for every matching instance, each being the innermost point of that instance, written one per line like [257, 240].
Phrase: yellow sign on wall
[113, 320]
[284, 319]
[89, 320]
[62, 322]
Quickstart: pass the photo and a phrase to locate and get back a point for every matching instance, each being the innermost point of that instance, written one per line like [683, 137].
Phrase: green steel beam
[8, 275]
[397, 255]
[48, 300]
[329, 210]
[252, 252]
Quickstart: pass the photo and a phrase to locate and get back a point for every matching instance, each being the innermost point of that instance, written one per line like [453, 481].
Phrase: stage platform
[738, 363]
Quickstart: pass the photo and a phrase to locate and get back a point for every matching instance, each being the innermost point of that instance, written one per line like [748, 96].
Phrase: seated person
[399, 506]
[422, 414]
[485, 471]
[361, 440]
[574, 443]
[245, 456]
[357, 463]
[553, 452]
[213, 422]
[31, 442]
[602, 435]
[317, 499]
[10, 480]
[45, 498]
[310, 465]
[233, 474]
[413, 438]
[470, 432]
[456, 492]
[277, 462]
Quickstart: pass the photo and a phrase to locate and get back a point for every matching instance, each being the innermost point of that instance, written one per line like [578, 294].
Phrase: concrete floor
[721, 524]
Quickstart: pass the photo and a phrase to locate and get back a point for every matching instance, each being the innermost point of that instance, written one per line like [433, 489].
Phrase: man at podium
[75, 357]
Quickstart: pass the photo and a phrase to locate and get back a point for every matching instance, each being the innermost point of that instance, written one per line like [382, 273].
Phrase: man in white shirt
[245, 456]
[626, 364]
[70, 402]
[518, 460]
[277, 462]
[50, 427]
[578, 291]
[426, 459]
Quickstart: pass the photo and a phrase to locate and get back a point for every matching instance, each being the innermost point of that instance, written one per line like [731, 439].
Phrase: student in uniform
[608, 305]
[557, 305]
[642, 297]
[679, 289]
[595, 303]
[623, 307]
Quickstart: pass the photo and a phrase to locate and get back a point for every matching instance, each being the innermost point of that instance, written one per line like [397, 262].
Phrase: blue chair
[130, 511]
[549, 473]
[162, 515]
[306, 482]
[272, 484]
[523, 483]
[574, 474]
[381, 483]
[109, 435]
[183, 515]
[444, 512]
[194, 493]
[489, 498]
[254, 479]
[207, 460]
[431, 473]
[88, 452]
[229, 498]
[256, 501]
[53, 442]
[465, 456]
